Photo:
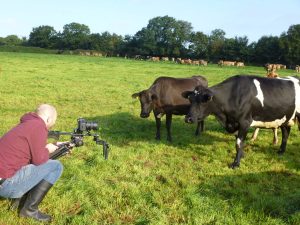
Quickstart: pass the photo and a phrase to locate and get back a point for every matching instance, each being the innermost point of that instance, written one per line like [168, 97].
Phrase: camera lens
[84, 125]
[91, 126]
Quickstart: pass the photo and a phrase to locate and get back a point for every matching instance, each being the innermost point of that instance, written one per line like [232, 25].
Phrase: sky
[251, 18]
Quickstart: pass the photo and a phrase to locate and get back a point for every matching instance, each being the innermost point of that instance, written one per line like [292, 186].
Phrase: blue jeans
[29, 176]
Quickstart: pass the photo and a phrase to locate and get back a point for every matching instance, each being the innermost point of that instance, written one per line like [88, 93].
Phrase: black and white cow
[243, 101]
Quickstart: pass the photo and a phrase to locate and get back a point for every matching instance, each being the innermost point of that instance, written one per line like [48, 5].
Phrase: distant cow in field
[199, 62]
[164, 96]
[268, 67]
[154, 59]
[196, 62]
[272, 74]
[226, 63]
[239, 64]
[282, 66]
[203, 62]
[178, 60]
[273, 67]
[186, 61]
[241, 102]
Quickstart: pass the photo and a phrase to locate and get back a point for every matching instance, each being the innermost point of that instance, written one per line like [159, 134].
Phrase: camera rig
[83, 130]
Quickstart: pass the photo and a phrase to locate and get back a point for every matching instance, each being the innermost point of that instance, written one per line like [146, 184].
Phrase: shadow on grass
[273, 193]
[123, 128]
[290, 158]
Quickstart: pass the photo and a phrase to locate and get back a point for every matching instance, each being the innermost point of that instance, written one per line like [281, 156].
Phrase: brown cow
[239, 64]
[196, 62]
[272, 74]
[164, 96]
[203, 62]
[154, 59]
[226, 63]
[269, 67]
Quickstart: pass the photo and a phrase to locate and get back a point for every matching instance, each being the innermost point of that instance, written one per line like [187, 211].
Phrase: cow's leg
[285, 135]
[240, 138]
[158, 125]
[275, 138]
[254, 135]
[200, 127]
[297, 120]
[168, 125]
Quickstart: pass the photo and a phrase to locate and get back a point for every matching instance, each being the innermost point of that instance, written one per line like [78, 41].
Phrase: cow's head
[147, 99]
[199, 99]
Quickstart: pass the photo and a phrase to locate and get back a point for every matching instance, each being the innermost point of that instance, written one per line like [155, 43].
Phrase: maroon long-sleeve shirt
[24, 144]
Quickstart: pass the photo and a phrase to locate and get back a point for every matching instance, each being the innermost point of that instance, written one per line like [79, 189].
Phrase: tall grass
[146, 181]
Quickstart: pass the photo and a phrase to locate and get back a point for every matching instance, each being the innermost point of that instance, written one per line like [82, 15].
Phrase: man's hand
[59, 143]
[51, 147]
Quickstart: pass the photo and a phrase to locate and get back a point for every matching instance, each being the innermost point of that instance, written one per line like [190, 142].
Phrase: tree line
[168, 37]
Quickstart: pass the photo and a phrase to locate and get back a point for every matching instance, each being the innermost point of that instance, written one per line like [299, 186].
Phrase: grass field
[146, 181]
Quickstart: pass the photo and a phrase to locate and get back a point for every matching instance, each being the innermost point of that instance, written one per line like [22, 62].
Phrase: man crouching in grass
[25, 167]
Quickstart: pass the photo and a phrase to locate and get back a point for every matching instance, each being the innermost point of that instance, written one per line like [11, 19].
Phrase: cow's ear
[186, 94]
[154, 97]
[135, 95]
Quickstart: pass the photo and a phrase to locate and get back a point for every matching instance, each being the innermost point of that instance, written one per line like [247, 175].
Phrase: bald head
[47, 113]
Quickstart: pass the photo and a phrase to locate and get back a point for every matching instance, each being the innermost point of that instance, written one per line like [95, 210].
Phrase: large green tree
[75, 36]
[43, 36]
[290, 44]
[13, 40]
[106, 42]
[216, 44]
[145, 42]
[164, 36]
[129, 46]
[235, 49]
[199, 45]
[268, 50]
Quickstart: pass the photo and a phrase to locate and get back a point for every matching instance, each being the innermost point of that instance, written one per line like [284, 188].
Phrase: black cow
[242, 101]
[165, 97]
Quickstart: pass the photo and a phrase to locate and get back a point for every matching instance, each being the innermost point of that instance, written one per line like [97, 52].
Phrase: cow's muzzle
[145, 115]
[188, 119]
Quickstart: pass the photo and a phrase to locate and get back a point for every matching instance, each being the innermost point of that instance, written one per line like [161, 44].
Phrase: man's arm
[37, 144]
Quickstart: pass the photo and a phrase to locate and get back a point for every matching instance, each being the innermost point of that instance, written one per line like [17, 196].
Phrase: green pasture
[145, 181]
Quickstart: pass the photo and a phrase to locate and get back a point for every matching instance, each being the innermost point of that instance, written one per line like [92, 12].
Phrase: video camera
[83, 129]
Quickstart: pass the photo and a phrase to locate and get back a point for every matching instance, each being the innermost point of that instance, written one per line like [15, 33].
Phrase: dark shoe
[34, 198]
[17, 203]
